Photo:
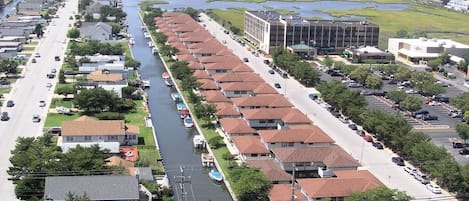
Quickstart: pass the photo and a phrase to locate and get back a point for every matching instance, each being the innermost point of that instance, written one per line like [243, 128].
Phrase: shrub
[110, 116]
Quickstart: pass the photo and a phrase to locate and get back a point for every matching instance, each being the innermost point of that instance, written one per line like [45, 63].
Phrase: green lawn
[149, 156]
[61, 85]
[29, 48]
[54, 119]
[5, 90]
[64, 103]
[34, 42]
[233, 15]
[137, 118]
[437, 22]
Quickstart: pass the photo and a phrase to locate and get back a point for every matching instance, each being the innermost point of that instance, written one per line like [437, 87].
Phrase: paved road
[376, 161]
[28, 91]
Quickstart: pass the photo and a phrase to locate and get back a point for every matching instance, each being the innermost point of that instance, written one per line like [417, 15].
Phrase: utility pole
[182, 180]
[293, 184]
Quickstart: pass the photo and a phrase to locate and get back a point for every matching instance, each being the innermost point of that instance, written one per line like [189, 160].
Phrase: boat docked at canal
[165, 75]
[207, 160]
[168, 82]
[199, 142]
[145, 83]
[184, 113]
[154, 50]
[215, 175]
[150, 44]
[188, 122]
[176, 97]
[180, 106]
[132, 41]
[146, 35]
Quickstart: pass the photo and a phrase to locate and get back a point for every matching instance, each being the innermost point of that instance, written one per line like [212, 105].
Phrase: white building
[459, 5]
[420, 50]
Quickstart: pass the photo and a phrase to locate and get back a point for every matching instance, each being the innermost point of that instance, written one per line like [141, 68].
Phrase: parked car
[55, 130]
[36, 118]
[420, 113]
[429, 117]
[4, 82]
[277, 85]
[37, 54]
[353, 127]
[368, 138]
[455, 114]
[366, 93]
[42, 103]
[434, 188]
[57, 58]
[464, 151]
[441, 98]
[33, 60]
[410, 170]
[361, 133]
[344, 119]
[50, 75]
[245, 59]
[271, 71]
[398, 161]
[10, 103]
[49, 85]
[378, 145]
[354, 85]
[53, 70]
[266, 61]
[4, 116]
[422, 178]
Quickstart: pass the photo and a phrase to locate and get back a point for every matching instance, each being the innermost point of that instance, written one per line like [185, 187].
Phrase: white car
[434, 188]
[344, 119]
[37, 54]
[410, 170]
[42, 103]
[433, 103]
[36, 118]
[49, 85]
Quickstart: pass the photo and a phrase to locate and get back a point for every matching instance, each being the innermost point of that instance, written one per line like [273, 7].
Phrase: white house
[459, 5]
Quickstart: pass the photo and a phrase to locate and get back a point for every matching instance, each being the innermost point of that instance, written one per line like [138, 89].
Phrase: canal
[8, 8]
[174, 139]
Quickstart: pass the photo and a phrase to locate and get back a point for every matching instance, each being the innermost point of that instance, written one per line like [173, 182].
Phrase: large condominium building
[459, 5]
[269, 30]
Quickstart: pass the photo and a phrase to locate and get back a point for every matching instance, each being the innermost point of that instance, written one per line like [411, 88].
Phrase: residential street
[29, 90]
[376, 161]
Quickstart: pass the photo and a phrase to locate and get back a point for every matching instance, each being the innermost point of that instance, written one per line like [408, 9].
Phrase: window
[112, 137]
[262, 121]
[287, 144]
[69, 138]
[87, 138]
[270, 121]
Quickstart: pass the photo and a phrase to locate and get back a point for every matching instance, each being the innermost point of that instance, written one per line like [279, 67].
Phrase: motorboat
[165, 75]
[168, 82]
[207, 160]
[154, 50]
[215, 175]
[176, 97]
[180, 106]
[150, 44]
[188, 122]
[184, 113]
[146, 35]
[145, 83]
[199, 142]
[132, 41]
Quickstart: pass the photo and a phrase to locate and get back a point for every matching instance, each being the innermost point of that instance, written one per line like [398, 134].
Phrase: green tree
[189, 82]
[38, 31]
[115, 27]
[328, 61]
[180, 70]
[130, 62]
[461, 102]
[62, 77]
[160, 37]
[412, 103]
[463, 131]
[421, 79]
[167, 50]
[396, 95]
[361, 73]
[205, 111]
[379, 193]
[374, 82]
[192, 12]
[445, 58]
[250, 184]
[466, 116]
[216, 142]
[403, 73]
[9, 66]
[433, 89]
[96, 100]
[73, 33]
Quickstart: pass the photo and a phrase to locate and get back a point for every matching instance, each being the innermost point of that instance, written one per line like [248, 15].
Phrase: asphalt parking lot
[438, 130]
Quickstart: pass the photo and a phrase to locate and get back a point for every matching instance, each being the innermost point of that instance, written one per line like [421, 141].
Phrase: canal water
[174, 139]
[7, 10]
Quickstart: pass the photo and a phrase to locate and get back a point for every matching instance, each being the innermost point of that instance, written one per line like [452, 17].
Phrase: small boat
[184, 113]
[188, 122]
[154, 50]
[215, 175]
[145, 83]
[150, 44]
[176, 97]
[181, 106]
[207, 160]
[146, 35]
[165, 75]
[199, 142]
[168, 82]
[131, 41]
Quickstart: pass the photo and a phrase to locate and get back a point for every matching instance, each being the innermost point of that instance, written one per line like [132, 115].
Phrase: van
[422, 178]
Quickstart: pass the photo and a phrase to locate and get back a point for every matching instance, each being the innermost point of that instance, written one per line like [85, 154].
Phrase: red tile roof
[201, 74]
[221, 59]
[87, 126]
[242, 68]
[287, 115]
[341, 186]
[255, 87]
[332, 156]
[249, 145]
[207, 84]
[208, 47]
[272, 170]
[186, 57]
[295, 135]
[226, 109]
[269, 100]
[215, 96]
[222, 65]
[236, 126]
[195, 65]
[237, 77]
[282, 192]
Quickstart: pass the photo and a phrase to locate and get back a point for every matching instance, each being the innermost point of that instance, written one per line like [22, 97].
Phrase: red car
[368, 138]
